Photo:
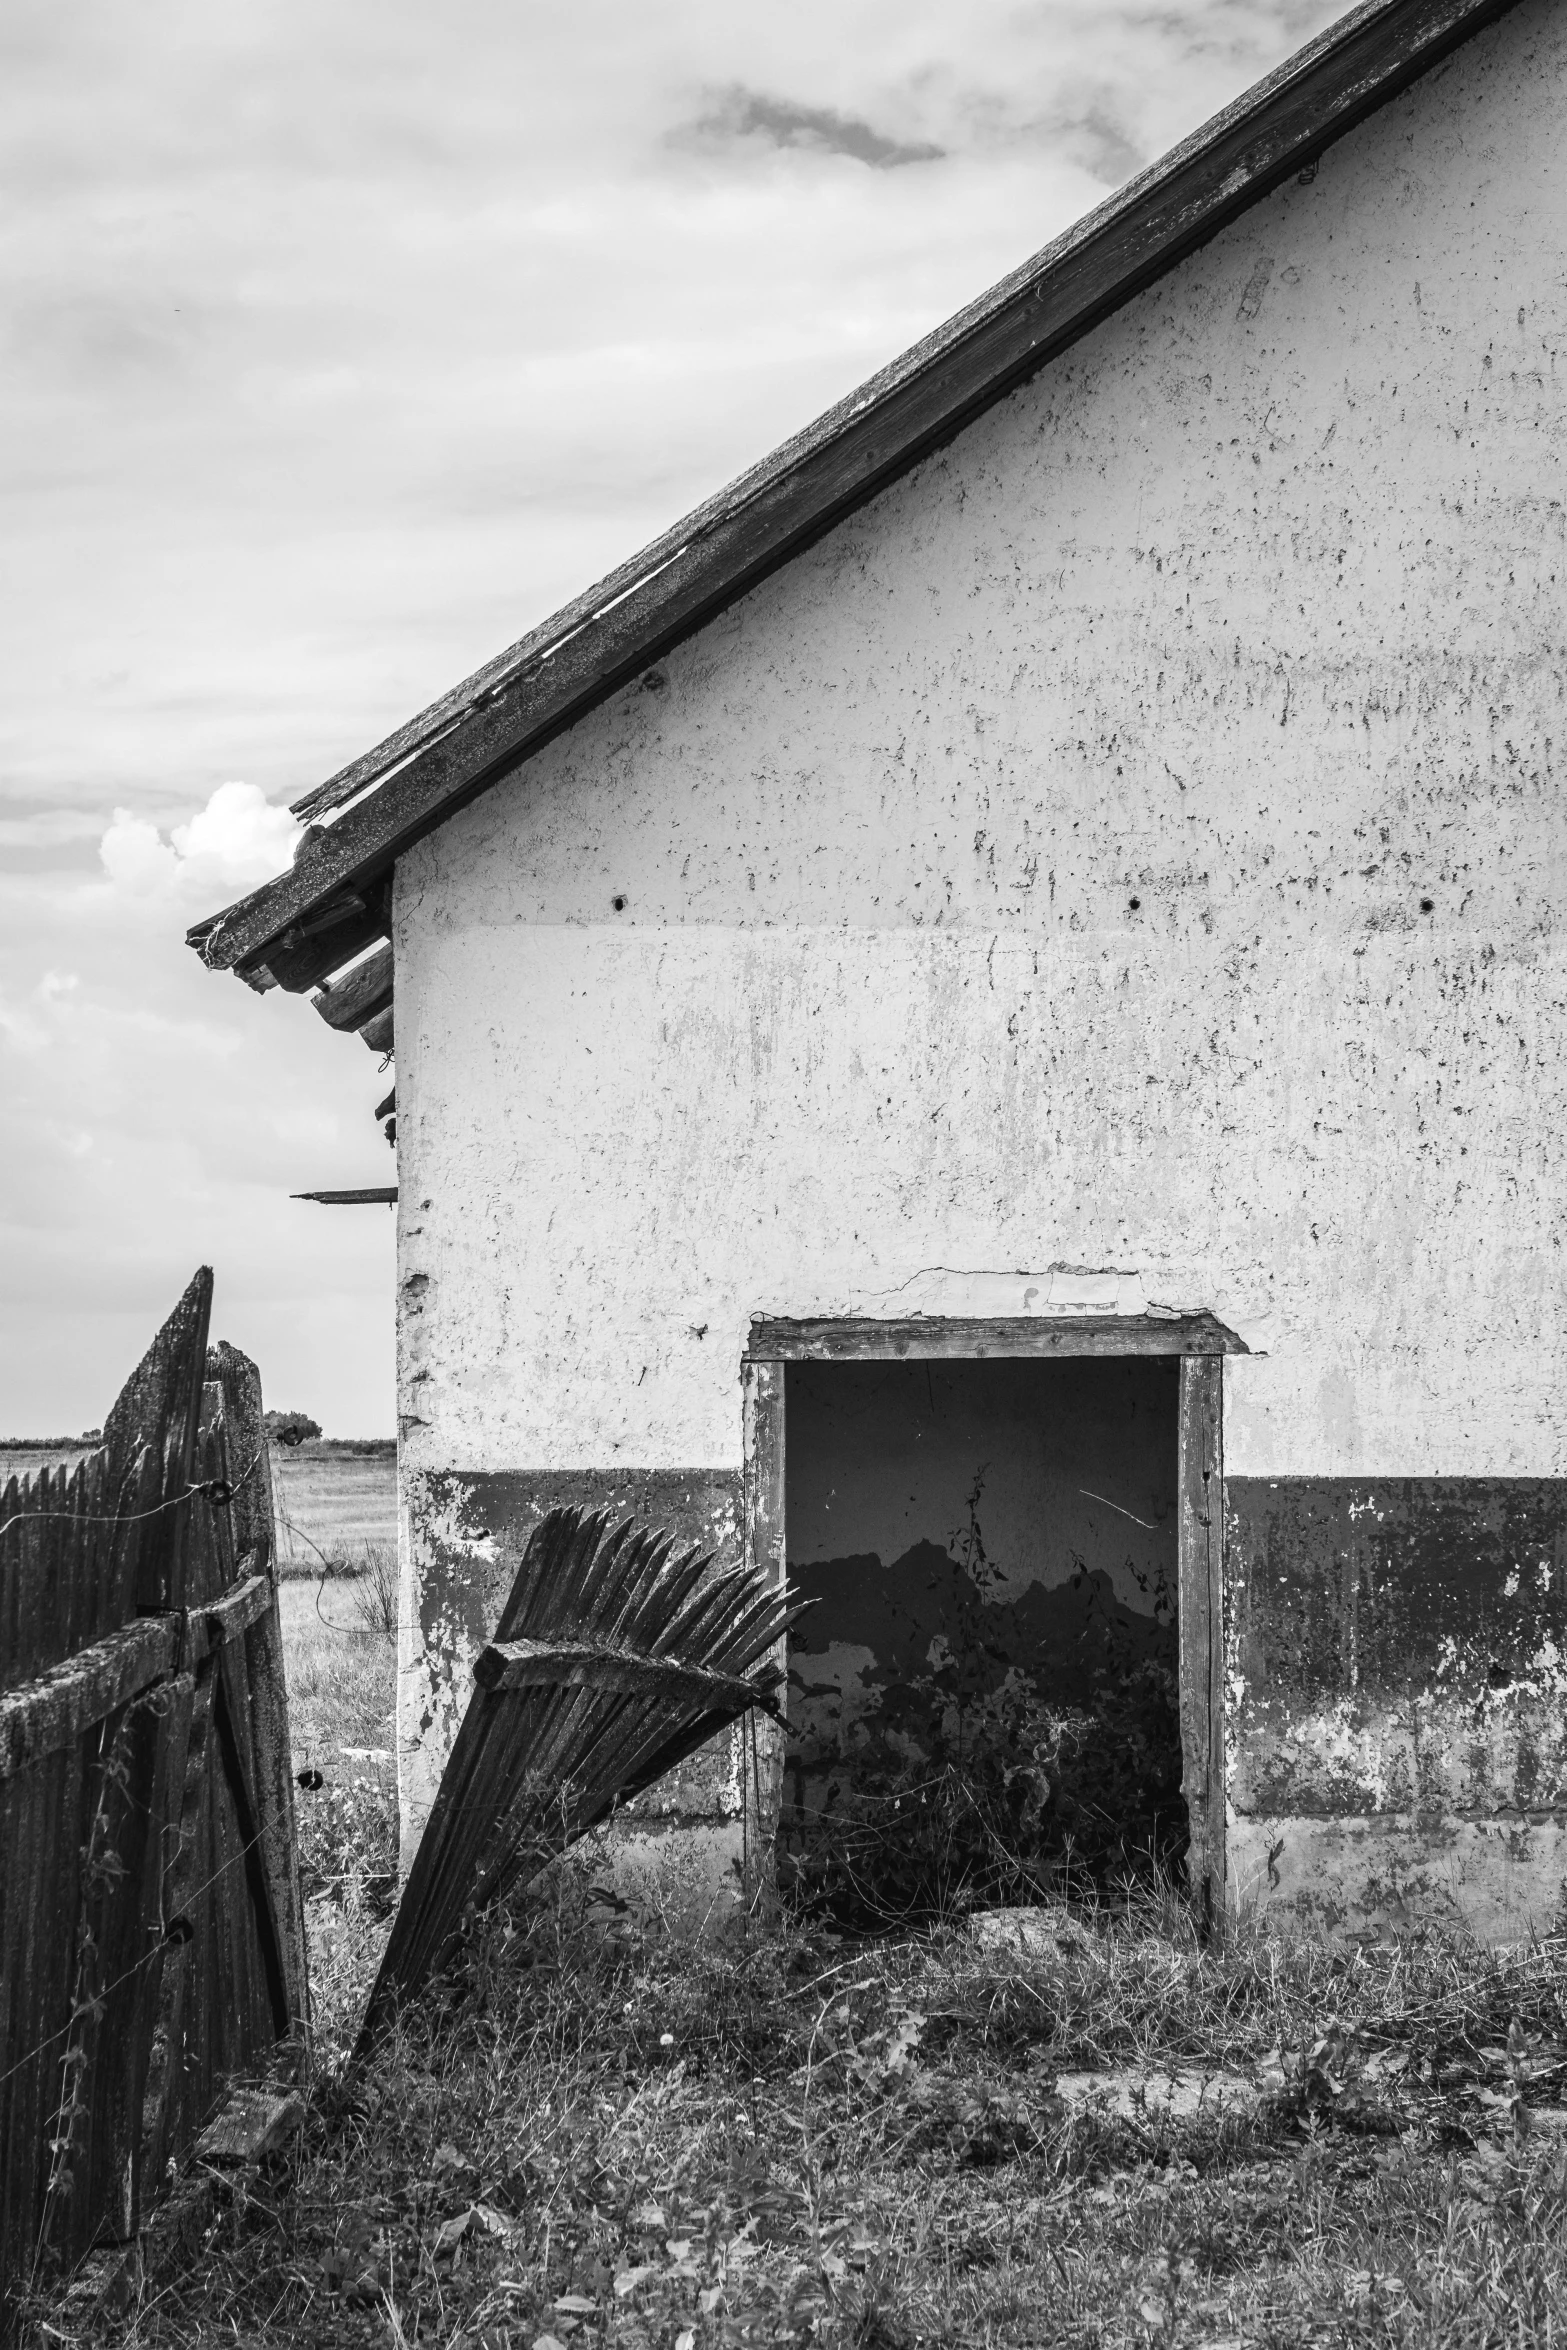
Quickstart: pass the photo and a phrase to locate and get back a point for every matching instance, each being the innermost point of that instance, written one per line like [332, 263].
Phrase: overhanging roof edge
[484, 727]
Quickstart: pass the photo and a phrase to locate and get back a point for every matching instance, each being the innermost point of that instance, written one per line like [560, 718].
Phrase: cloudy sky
[343, 342]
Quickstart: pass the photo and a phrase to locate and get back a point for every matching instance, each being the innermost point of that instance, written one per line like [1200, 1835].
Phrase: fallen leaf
[495, 2223]
[452, 2231]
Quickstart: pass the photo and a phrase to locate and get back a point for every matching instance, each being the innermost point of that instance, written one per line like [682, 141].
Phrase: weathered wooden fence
[151, 1945]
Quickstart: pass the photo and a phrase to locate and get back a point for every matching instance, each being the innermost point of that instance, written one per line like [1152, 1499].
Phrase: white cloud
[235, 842]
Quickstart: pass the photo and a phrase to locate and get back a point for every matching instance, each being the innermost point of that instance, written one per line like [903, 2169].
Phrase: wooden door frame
[1197, 1340]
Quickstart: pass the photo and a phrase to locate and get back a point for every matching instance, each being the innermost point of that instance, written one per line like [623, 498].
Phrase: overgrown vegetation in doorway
[969, 1787]
[1013, 1801]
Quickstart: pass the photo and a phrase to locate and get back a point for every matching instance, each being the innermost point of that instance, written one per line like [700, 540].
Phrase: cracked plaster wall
[1131, 842]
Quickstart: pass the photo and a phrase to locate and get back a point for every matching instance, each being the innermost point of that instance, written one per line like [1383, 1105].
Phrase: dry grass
[342, 1669]
[614, 2137]
[332, 1497]
[597, 2133]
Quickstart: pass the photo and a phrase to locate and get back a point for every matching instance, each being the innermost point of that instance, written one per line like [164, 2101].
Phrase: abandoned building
[983, 1022]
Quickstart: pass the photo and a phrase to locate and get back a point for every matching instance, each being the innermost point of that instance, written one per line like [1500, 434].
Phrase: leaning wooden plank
[54, 1711]
[613, 1660]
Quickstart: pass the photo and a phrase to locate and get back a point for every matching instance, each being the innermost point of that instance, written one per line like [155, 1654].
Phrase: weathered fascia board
[45, 1715]
[360, 994]
[935, 1338]
[486, 726]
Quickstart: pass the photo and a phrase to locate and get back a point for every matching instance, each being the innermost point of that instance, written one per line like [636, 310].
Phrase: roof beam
[311, 950]
[360, 994]
[368, 1196]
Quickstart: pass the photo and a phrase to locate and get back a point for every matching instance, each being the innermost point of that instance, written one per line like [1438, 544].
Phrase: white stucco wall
[1131, 843]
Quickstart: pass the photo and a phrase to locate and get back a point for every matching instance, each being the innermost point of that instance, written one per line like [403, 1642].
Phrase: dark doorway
[983, 1698]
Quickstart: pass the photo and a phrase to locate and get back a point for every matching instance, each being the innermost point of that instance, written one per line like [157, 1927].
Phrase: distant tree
[92, 1436]
[290, 1427]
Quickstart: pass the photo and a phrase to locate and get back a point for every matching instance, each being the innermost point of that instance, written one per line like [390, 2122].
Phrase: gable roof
[334, 902]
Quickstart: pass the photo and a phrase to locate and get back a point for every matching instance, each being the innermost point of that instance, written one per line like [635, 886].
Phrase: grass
[334, 1496]
[341, 1662]
[594, 2132]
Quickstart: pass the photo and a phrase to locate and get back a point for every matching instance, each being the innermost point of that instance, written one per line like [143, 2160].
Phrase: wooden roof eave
[413, 781]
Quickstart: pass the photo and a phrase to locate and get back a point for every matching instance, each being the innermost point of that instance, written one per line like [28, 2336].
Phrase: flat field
[25, 1460]
[332, 1501]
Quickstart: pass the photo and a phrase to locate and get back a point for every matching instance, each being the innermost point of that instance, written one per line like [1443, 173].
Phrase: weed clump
[968, 1798]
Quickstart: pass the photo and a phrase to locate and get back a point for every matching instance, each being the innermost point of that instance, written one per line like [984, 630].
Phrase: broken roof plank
[462, 743]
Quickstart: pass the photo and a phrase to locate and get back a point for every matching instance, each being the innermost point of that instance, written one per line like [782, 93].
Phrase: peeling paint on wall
[1399, 1655]
[1400, 1645]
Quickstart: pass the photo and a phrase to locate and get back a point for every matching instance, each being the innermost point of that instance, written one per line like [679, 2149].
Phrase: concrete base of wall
[1499, 1880]
[688, 1874]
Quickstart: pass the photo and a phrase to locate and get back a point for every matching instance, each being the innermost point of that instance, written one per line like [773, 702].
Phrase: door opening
[984, 1696]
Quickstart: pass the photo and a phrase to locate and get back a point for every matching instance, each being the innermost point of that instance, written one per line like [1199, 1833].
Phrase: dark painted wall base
[1401, 1644]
